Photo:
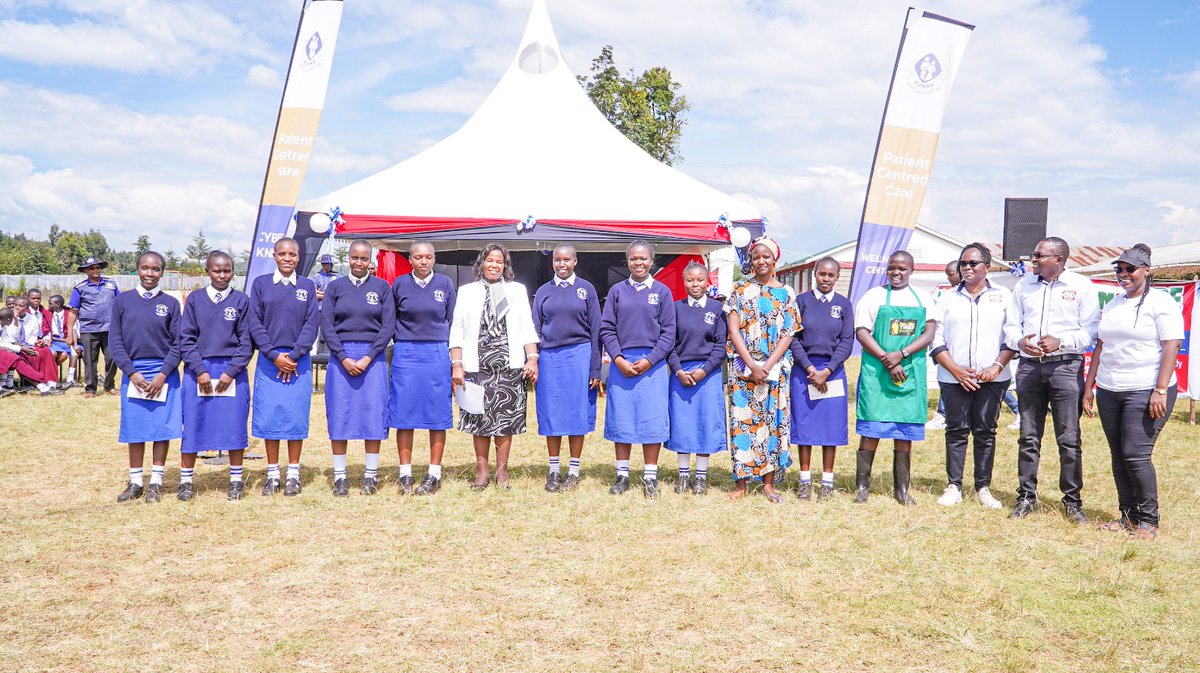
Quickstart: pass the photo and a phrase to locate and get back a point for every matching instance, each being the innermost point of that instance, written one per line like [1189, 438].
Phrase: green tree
[199, 249]
[647, 108]
[143, 245]
[172, 259]
[341, 254]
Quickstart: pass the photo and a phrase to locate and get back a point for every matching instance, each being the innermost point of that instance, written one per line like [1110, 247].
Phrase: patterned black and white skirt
[504, 396]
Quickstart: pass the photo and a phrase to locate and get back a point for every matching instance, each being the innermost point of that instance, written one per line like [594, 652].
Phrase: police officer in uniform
[91, 306]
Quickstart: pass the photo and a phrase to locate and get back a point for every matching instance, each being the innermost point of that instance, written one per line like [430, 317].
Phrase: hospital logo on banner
[314, 52]
[926, 74]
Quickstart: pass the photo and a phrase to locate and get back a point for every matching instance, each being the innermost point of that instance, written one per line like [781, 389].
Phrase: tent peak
[538, 52]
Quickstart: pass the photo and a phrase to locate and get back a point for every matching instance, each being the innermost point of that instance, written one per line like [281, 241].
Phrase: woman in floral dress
[763, 318]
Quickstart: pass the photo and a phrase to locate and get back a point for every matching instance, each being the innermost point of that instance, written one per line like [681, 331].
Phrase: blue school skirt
[420, 397]
[636, 411]
[146, 421]
[60, 347]
[698, 414]
[356, 407]
[281, 409]
[565, 404]
[213, 423]
[914, 432]
[818, 422]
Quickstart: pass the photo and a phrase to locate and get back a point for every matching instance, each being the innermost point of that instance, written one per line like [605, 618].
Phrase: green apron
[879, 398]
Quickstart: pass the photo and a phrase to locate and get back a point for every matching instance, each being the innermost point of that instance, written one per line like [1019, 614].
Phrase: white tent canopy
[536, 147]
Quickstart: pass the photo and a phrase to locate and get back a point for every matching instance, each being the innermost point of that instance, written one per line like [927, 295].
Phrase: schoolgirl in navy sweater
[283, 325]
[637, 328]
[358, 319]
[216, 346]
[144, 337]
[566, 314]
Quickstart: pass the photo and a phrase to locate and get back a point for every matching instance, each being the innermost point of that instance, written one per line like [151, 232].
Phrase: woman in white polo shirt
[1133, 368]
[969, 346]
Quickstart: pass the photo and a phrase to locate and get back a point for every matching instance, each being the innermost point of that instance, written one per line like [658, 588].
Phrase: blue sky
[155, 117]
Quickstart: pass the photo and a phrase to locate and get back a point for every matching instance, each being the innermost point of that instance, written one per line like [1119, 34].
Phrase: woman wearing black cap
[1133, 368]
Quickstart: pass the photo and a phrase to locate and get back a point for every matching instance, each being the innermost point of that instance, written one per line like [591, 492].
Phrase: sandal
[775, 498]
[1144, 531]
[1116, 526]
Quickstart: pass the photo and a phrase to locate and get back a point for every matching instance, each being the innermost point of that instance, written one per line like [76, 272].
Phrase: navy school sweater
[638, 319]
[365, 312]
[283, 318]
[216, 331]
[700, 334]
[424, 313]
[566, 316]
[143, 328]
[828, 330]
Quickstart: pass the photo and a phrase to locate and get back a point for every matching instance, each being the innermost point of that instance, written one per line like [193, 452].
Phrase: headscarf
[771, 245]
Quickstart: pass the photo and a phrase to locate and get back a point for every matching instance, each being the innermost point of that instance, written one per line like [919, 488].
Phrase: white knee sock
[685, 465]
[135, 476]
[372, 465]
[435, 471]
[702, 467]
[622, 468]
[649, 472]
[339, 467]
[573, 467]
[156, 474]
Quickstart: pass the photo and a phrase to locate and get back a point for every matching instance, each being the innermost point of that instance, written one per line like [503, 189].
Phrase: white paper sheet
[135, 393]
[835, 388]
[469, 397]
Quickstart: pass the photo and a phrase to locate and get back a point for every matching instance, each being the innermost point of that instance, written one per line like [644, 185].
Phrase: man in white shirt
[1053, 323]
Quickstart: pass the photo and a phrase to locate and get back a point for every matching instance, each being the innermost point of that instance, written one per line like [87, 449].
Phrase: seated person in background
[31, 335]
[62, 343]
[14, 356]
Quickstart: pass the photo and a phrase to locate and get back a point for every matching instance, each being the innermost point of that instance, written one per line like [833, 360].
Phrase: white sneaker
[938, 422]
[985, 498]
[951, 496]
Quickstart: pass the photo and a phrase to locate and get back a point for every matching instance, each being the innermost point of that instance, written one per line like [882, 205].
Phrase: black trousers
[1058, 386]
[972, 414]
[93, 343]
[1131, 434]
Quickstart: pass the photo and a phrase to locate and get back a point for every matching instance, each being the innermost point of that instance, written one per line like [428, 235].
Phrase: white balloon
[739, 237]
[320, 222]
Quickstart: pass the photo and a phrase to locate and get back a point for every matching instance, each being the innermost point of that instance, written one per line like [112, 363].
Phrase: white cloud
[263, 77]
[1183, 222]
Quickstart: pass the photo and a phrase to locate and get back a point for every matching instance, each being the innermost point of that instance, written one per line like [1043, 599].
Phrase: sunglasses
[1038, 255]
[971, 263]
[1125, 268]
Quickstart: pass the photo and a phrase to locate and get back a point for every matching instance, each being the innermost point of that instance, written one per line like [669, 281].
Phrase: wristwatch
[1160, 391]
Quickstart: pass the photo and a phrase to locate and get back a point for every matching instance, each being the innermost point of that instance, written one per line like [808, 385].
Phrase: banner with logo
[931, 48]
[295, 129]
[1183, 292]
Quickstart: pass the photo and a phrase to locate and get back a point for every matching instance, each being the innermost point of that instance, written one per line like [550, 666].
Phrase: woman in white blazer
[493, 344]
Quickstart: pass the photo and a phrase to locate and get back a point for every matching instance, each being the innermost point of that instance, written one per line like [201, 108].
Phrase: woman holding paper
[493, 346]
[637, 329]
[894, 323]
[216, 347]
[763, 319]
[358, 319]
[818, 378]
[144, 338]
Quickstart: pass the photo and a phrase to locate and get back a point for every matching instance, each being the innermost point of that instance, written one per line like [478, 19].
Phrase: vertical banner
[1183, 292]
[931, 48]
[295, 129]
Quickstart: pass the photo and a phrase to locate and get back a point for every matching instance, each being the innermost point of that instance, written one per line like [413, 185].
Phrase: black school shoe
[699, 486]
[570, 483]
[1023, 508]
[291, 487]
[805, 490]
[154, 493]
[825, 493]
[186, 491]
[429, 485]
[650, 488]
[406, 485]
[270, 486]
[553, 483]
[681, 485]
[341, 488]
[369, 486]
[619, 486]
[237, 489]
[132, 492]
[1075, 514]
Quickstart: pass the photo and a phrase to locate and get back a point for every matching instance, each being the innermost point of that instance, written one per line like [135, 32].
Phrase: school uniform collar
[564, 282]
[422, 282]
[822, 297]
[697, 303]
[286, 280]
[213, 293]
[644, 285]
[142, 292]
[358, 281]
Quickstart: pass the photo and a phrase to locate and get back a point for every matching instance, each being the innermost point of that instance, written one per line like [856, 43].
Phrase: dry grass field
[528, 581]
